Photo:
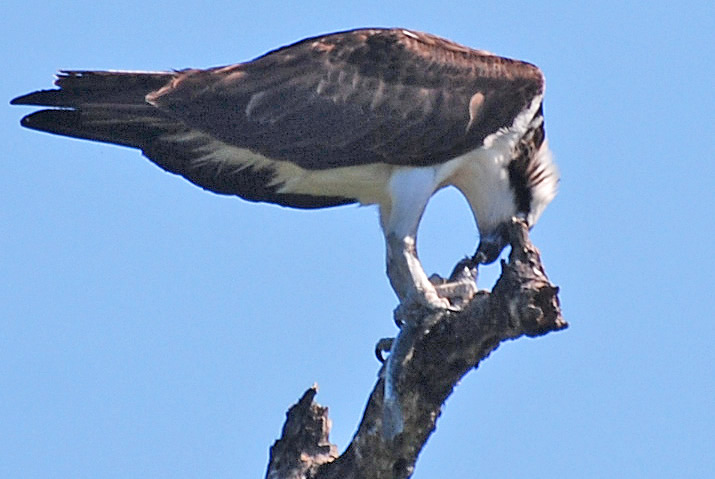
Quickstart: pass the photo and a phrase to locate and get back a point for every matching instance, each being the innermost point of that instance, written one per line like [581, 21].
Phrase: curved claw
[383, 345]
[466, 269]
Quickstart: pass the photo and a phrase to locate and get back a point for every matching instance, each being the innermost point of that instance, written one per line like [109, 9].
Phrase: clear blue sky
[151, 329]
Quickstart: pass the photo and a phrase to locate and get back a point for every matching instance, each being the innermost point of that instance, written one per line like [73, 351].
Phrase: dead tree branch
[523, 302]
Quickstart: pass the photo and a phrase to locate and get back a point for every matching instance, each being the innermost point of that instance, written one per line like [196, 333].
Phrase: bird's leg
[409, 191]
[406, 275]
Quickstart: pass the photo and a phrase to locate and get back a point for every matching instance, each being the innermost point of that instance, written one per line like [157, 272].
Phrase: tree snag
[435, 353]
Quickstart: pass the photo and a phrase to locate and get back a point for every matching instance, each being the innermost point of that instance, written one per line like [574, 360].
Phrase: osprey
[373, 116]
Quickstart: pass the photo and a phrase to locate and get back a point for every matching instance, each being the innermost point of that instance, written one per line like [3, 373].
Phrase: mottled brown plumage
[376, 116]
[358, 97]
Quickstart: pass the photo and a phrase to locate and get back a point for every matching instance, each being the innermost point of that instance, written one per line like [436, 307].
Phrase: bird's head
[491, 245]
[532, 183]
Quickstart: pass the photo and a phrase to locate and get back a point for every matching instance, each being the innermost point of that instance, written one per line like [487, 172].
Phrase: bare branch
[522, 303]
[304, 443]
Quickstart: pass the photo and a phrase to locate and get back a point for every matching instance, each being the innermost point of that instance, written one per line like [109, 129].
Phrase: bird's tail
[107, 106]
[115, 107]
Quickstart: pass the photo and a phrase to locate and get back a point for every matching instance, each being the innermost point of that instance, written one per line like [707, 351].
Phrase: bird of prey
[373, 116]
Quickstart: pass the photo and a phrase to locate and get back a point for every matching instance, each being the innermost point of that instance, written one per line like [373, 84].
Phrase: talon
[465, 269]
[382, 346]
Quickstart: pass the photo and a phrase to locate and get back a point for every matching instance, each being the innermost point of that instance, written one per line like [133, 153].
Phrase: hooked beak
[490, 246]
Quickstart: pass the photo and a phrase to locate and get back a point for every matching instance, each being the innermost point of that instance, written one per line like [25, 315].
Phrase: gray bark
[443, 348]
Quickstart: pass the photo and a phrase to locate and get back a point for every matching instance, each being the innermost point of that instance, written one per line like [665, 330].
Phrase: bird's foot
[422, 304]
[457, 293]
[435, 300]
[460, 287]
[443, 294]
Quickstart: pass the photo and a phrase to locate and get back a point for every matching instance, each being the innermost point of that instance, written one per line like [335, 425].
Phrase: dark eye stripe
[525, 172]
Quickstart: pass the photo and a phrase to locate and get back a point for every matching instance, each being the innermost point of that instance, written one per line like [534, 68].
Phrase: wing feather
[357, 97]
[110, 107]
[353, 98]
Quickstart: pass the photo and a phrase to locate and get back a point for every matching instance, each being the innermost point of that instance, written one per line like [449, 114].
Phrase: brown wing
[110, 107]
[351, 98]
[357, 97]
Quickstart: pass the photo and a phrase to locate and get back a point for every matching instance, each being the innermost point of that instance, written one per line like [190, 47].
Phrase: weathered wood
[304, 443]
[439, 353]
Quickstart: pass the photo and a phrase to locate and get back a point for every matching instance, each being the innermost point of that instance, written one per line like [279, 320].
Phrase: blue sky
[151, 329]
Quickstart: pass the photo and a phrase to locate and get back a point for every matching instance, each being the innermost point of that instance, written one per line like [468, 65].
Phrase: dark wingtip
[59, 122]
[31, 120]
[20, 100]
[38, 98]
